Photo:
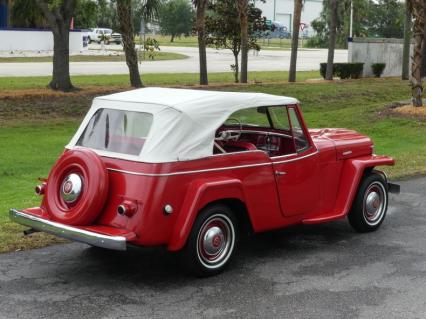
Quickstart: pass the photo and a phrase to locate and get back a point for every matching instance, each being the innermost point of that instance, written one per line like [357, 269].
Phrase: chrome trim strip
[68, 232]
[188, 172]
[297, 158]
[209, 169]
[260, 133]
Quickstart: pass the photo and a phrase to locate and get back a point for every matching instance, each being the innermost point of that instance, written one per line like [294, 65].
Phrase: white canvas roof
[185, 121]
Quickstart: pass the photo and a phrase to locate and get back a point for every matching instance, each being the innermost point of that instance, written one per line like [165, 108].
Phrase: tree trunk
[243, 9]
[124, 11]
[201, 12]
[61, 62]
[59, 20]
[236, 67]
[423, 67]
[172, 39]
[416, 78]
[407, 42]
[295, 40]
[332, 38]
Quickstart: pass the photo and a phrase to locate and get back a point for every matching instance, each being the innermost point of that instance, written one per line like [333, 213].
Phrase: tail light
[40, 189]
[127, 208]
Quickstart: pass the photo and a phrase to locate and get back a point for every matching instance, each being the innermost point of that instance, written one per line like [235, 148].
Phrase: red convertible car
[193, 170]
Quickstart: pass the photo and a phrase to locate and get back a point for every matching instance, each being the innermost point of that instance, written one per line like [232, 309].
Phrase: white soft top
[184, 121]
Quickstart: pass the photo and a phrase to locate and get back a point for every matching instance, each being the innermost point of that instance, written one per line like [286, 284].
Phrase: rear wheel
[212, 241]
[370, 204]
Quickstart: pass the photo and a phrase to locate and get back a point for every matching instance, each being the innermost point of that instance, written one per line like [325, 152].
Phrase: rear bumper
[68, 232]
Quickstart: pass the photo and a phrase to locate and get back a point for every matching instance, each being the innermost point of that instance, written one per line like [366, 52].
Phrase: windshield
[117, 131]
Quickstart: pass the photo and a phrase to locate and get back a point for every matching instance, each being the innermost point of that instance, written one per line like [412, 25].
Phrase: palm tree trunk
[236, 67]
[243, 10]
[417, 7]
[407, 42]
[201, 13]
[295, 40]
[332, 38]
[124, 11]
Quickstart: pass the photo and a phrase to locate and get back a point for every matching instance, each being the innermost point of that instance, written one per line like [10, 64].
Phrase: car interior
[275, 130]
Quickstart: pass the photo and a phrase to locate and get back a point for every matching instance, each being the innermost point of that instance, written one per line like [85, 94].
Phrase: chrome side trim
[68, 232]
[188, 172]
[297, 158]
[209, 169]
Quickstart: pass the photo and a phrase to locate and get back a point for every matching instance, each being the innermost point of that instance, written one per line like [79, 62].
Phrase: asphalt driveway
[323, 271]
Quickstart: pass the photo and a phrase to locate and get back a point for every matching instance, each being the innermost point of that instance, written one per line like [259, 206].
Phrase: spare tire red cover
[77, 187]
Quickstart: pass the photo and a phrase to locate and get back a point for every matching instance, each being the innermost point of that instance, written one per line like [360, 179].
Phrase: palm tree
[334, 11]
[149, 9]
[295, 39]
[58, 16]
[243, 12]
[201, 6]
[417, 8]
[407, 42]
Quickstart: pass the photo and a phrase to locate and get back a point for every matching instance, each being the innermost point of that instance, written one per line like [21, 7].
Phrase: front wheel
[370, 204]
[212, 241]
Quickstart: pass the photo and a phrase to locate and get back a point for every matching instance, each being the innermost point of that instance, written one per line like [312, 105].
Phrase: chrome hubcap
[71, 188]
[215, 241]
[374, 203]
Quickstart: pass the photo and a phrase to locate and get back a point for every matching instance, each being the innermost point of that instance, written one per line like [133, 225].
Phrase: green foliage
[378, 69]
[27, 14]
[222, 27]
[150, 46]
[344, 70]
[176, 18]
[86, 12]
[382, 19]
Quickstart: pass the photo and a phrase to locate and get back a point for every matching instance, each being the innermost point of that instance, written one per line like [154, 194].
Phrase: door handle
[278, 173]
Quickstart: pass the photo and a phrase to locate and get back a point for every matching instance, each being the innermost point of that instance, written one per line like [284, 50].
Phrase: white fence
[371, 50]
[38, 40]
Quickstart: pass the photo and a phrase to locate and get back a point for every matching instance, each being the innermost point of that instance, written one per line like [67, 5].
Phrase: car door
[297, 175]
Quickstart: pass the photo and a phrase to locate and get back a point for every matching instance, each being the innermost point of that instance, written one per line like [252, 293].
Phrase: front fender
[200, 193]
[352, 173]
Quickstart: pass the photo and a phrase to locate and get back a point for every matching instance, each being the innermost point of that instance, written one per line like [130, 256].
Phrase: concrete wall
[282, 11]
[370, 51]
[38, 40]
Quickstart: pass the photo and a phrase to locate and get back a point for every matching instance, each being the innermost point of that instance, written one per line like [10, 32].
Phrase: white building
[282, 11]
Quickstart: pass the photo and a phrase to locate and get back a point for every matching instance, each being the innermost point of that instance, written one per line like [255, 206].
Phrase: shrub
[344, 70]
[356, 70]
[378, 69]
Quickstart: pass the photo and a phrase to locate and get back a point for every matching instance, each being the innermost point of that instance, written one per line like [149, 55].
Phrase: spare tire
[77, 187]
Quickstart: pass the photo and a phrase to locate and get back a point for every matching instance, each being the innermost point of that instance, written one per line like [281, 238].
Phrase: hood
[348, 143]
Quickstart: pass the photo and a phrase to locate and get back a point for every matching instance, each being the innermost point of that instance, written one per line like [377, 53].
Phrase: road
[322, 271]
[218, 61]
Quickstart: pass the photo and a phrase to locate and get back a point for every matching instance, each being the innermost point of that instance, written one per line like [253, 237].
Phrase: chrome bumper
[68, 232]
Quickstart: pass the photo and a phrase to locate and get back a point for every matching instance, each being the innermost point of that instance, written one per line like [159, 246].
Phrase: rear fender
[199, 194]
[352, 173]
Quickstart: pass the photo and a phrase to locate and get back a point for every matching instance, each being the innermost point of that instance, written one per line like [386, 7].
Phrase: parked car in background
[194, 170]
[99, 34]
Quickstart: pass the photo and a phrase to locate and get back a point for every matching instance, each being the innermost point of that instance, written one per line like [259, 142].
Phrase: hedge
[344, 70]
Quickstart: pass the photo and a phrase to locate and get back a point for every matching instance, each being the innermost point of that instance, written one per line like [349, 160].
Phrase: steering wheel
[227, 135]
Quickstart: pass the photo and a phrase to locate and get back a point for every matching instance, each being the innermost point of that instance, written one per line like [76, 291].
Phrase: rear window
[117, 131]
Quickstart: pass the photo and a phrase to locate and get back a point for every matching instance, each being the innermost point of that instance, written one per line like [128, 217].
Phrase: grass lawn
[191, 41]
[17, 83]
[96, 58]
[34, 127]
